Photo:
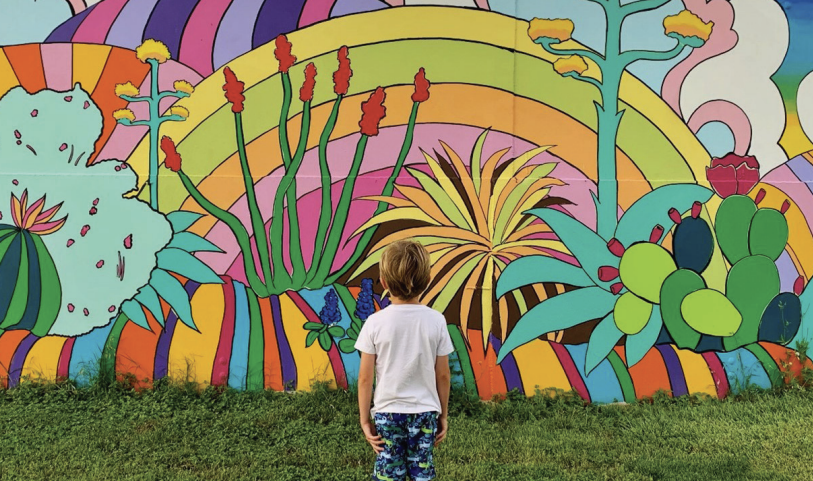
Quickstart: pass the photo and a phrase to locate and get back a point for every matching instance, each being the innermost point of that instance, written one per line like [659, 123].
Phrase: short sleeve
[364, 343]
[445, 346]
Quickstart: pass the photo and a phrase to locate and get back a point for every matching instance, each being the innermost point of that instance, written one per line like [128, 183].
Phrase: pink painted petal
[32, 213]
[747, 178]
[48, 227]
[723, 180]
[49, 214]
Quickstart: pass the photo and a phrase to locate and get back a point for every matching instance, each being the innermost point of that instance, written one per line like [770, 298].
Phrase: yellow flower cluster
[122, 114]
[184, 86]
[561, 29]
[152, 49]
[127, 89]
[573, 63]
[179, 111]
[688, 24]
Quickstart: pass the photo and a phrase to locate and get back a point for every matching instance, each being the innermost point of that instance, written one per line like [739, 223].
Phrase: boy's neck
[398, 301]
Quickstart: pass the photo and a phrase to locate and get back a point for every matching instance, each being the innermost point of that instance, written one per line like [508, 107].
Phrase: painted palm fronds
[473, 223]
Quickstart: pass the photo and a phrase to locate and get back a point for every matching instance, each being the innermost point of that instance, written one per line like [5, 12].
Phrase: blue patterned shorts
[408, 442]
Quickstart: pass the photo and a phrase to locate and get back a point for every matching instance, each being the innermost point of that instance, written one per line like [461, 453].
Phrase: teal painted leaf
[325, 340]
[190, 242]
[557, 313]
[182, 220]
[638, 345]
[174, 293]
[537, 269]
[347, 346]
[313, 326]
[336, 331]
[311, 338]
[135, 313]
[187, 265]
[602, 341]
[149, 299]
[653, 209]
[587, 246]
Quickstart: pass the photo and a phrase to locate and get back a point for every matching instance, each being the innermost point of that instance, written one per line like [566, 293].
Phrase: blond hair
[405, 268]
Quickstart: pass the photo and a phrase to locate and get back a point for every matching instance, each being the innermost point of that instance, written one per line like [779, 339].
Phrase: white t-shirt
[406, 339]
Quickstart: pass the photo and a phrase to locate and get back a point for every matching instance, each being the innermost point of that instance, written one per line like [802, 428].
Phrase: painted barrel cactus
[30, 292]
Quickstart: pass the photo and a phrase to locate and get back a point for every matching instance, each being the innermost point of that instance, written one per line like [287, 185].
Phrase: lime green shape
[631, 313]
[675, 288]
[710, 312]
[643, 269]
[732, 224]
[752, 283]
[768, 234]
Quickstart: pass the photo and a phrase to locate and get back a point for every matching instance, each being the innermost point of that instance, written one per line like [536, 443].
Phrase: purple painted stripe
[276, 17]
[285, 353]
[165, 338]
[167, 23]
[128, 29]
[64, 32]
[509, 367]
[18, 359]
[235, 34]
[675, 370]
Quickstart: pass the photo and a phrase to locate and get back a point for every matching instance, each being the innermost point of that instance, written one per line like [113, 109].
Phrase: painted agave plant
[473, 223]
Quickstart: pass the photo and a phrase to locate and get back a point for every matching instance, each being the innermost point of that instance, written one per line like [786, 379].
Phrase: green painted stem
[282, 279]
[298, 274]
[257, 224]
[463, 357]
[382, 206]
[342, 210]
[237, 229]
[154, 124]
[326, 211]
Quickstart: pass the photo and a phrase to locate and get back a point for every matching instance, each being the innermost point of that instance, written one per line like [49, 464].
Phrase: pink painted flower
[733, 174]
[35, 218]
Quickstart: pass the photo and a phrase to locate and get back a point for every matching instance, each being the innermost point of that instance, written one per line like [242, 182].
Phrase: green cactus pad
[675, 288]
[643, 269]
[768, 235]
[631, 313]
[752, 284]
[732, 224]
[709, 312]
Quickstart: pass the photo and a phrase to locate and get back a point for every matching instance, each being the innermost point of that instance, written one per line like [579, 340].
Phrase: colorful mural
[615, 195]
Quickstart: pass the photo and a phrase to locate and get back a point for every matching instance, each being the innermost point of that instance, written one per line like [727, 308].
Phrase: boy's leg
[390, 465]
[422, 429]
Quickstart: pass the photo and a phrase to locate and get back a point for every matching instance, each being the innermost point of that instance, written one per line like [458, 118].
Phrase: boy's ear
[383, 283]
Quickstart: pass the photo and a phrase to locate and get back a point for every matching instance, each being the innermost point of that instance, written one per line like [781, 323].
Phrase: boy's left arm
[365, 382]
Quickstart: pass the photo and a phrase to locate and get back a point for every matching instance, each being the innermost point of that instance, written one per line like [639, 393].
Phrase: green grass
[59, 432]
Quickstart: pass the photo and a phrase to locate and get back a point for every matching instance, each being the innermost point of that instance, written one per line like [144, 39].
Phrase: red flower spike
[607, 273]
[373, 111]
[283, 54]
[616, 247]
[421, 87]
[306, 92]
[799, 285]
[760, 196]
[173, 160]
[341, 77]
[234, 90]
[616, 288]
[675, 216]
[733, 174]
[656, 234]
[697, 207]
[785, 206]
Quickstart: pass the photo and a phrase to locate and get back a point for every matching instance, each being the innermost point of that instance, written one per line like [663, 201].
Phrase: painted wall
[202, 189]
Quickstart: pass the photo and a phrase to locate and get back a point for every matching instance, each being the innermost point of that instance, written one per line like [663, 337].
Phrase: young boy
[407, 346]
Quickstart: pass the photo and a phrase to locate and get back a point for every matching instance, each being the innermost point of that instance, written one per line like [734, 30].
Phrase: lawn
[59, 432]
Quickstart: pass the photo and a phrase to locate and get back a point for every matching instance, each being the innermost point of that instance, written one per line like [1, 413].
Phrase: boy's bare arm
[366, 374]
[443, 378]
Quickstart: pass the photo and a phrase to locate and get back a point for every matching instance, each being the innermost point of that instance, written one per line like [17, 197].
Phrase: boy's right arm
[443, 379]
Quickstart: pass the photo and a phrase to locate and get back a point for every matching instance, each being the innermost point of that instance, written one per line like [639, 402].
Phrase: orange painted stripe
[272, 363]
[9, 341]
[487, 374]
[786, 360]
[122, 66]
[136, 351]
[649, 375]
[26, 61]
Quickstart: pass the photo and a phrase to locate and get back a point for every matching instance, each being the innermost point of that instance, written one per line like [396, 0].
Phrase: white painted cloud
[742, 76]
[804, 105]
